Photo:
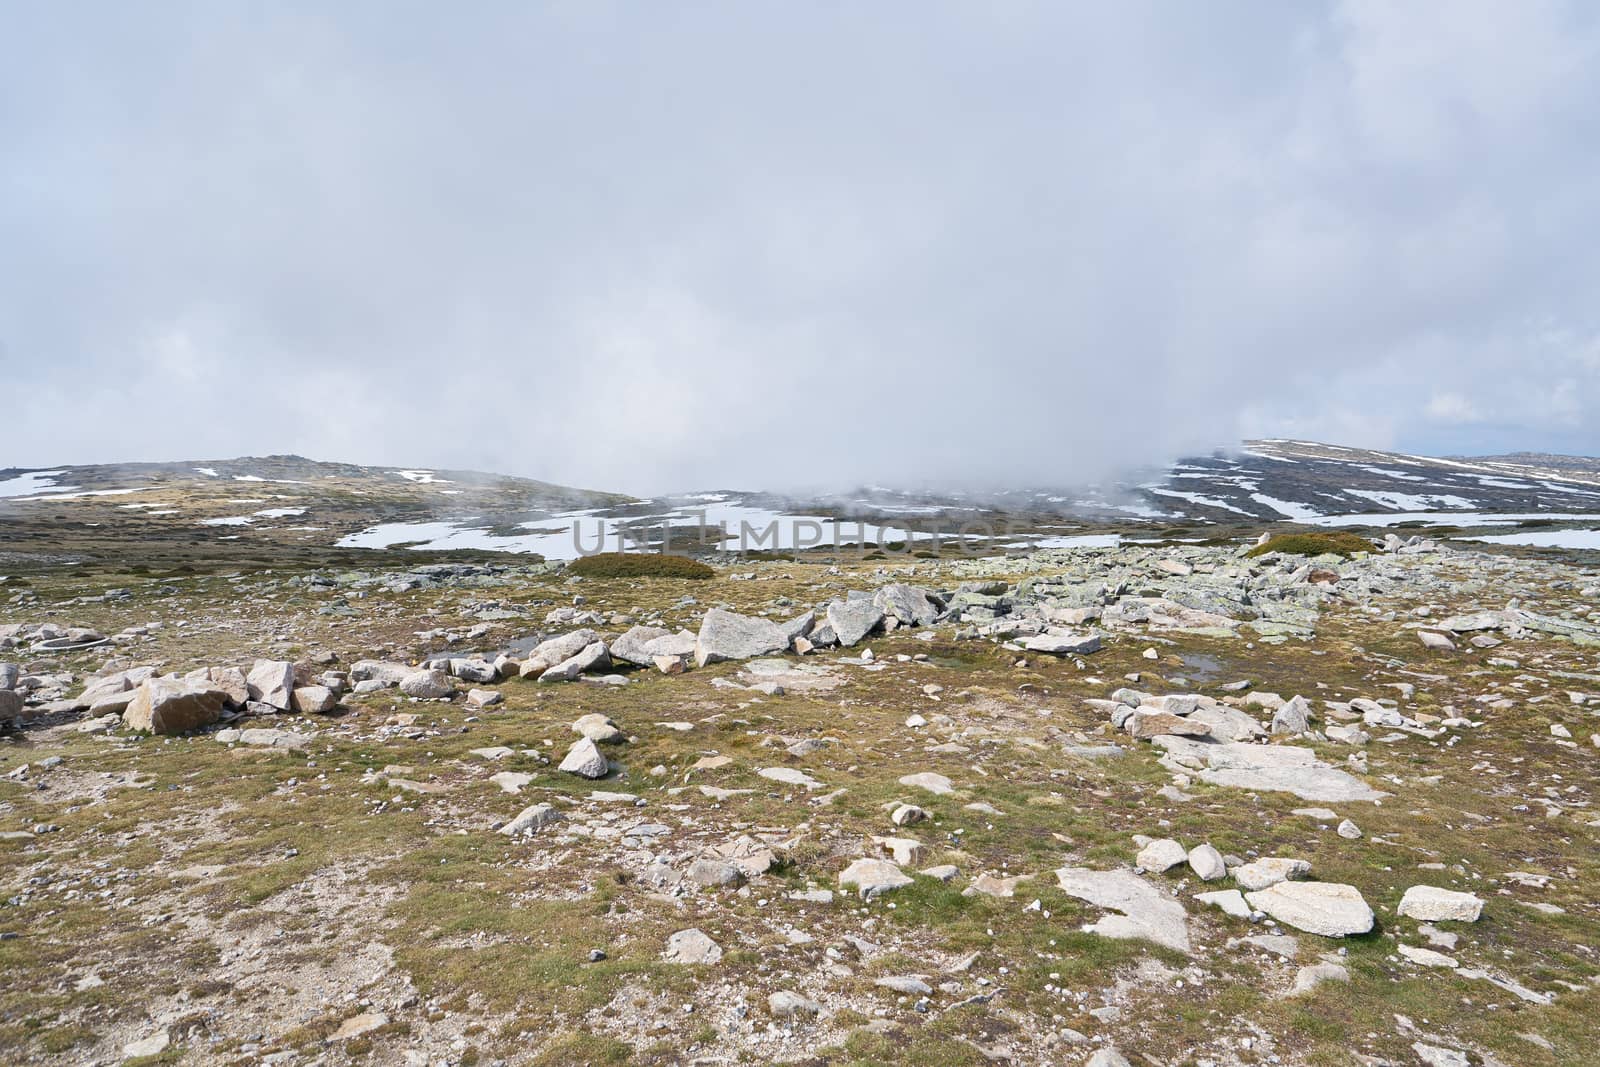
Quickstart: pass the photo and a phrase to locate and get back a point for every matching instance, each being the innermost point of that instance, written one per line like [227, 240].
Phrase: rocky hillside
[1208, 803]
[276, 507]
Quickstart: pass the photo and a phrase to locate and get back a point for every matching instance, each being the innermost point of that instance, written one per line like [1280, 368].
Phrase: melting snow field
[572, 534]
[1444, 518]
[1545, 539]
[423, 477]
[1078, 541]
[1408, 502]
[32, 482]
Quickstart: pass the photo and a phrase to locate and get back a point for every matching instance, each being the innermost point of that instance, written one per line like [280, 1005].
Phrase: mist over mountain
[921, 245]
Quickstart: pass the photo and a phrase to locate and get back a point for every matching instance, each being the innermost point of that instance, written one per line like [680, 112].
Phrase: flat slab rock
[691, 946]
[1273, 768]
[1142, 909]
[873, 878]
[794, 677]
[1432, 904]
[1325, 908]
[789, 776]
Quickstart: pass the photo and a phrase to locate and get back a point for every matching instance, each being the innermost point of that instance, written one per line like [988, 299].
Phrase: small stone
[936, 784]
[691, 947]
[1161, 855]
[1207, 863]
[786, 1004]
[1231, 901]
[1432, 904]
[153, 1045]
[357, 1025]
[873, 878]
[1308, 978]
[1269, 870]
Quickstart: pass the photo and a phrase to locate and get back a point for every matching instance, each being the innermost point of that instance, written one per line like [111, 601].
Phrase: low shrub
[638, 565]
[1335, 542]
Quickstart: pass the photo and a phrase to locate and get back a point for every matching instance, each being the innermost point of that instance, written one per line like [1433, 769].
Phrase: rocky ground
[1157, 804]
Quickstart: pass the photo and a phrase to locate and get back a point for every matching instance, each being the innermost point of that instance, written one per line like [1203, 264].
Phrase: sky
[648, 247]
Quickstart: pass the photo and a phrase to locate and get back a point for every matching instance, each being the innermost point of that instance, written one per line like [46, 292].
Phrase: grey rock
[1161, 855]
[171, 706]
[692, 946]
[429, 684]
[727, 636]
[599, 729]
[853, 620]
[1308, 978]
[1269, 870]
[314, 700]
[272, 682]
[1432, 904]
[1142, 910]
[556, 650]
[592, 657]
[631, 646]
[873, 878]
[1206, 863]
[911, 605]
[1292, 718]
[1063, 643]
[585, 760]
[786, 1004]
[1275, 768]
[1325, 908]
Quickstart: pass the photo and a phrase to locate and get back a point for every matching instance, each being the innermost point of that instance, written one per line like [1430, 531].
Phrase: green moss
[1335, 542]
[638, 565]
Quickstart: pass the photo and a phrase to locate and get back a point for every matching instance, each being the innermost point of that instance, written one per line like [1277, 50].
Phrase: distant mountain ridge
[295, 503]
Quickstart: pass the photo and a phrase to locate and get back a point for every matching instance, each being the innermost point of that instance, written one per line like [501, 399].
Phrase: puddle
[1198, 667]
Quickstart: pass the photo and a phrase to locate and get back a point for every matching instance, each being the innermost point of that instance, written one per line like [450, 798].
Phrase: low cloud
[648, 248]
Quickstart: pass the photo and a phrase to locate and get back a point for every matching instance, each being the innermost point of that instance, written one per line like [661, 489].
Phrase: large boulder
[585, 760]
[427, 684]
[681, 643]
[853, 620]
[474, 669]
[630, 647]
[9, 673]
[726, 636]
[1146, 723]
[10, 705]
[230, 680]
[912, 605]
[271, 681]
[556, 650]
[592, 657]
[112, 692]
[1293, 718]
[173, 706]
[385, 672]
[315, 699]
